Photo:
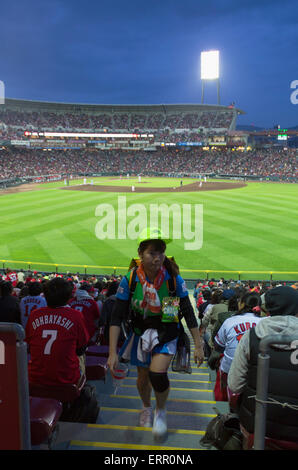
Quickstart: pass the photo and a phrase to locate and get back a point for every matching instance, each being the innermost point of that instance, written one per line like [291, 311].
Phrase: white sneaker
[160, 428]
[145, 419]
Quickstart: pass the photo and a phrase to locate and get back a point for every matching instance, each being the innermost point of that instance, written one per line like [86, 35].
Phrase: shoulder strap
[132, 281]
[171, 284]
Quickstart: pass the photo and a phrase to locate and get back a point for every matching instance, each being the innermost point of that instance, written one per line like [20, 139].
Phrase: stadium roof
[28, 105]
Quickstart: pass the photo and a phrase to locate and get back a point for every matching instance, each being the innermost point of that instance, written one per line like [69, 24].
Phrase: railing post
[14, 389]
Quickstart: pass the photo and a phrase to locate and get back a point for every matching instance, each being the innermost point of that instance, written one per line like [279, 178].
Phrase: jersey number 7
[53, 336]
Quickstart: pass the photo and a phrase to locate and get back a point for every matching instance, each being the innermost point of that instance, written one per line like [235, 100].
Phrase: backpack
[84, 409]
[223, 432]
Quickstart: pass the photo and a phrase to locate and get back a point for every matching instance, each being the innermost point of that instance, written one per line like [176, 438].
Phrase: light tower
[210, 70]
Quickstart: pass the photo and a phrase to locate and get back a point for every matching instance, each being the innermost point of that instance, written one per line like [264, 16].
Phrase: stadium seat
[270, 443]
[66, 393]
[44, 416]
[96, 367]
[248, 438]
[98, 350]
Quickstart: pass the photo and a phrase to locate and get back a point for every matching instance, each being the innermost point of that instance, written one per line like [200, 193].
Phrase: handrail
[123, 269]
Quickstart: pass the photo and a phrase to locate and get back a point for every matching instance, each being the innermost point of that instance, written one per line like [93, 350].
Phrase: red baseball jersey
[12, 277]
[54, 335]
[90, 311]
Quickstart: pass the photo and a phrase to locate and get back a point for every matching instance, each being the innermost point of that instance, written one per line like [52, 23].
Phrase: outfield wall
[188, 274]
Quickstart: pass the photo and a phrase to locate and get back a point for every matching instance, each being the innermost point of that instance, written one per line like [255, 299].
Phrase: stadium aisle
[189, 410]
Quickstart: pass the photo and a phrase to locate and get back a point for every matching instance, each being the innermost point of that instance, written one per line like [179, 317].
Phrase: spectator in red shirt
[56, 336]
[12, 277]
[84, 303]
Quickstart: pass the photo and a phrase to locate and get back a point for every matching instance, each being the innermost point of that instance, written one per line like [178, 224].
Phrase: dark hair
[24, 291]
[250, 301]
[98, 285]
[233, 304]
[240, 291]
[206, 294]
[159, 245]
[85, 286]
[57, 292]
[5, 288]
[216, 297]
[34, 288]
[112, 289]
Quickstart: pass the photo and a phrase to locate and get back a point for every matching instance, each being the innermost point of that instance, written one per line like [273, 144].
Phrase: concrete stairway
[190, 407]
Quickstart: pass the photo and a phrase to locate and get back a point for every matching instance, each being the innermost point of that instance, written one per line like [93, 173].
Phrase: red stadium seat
[248, 438]
[270, 443]
[66, 393]
[44, 416]
[96, 367]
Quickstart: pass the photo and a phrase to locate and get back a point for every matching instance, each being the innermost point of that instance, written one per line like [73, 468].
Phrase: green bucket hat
[152, 234]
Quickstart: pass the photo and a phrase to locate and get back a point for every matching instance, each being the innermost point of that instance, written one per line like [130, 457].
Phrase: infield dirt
[138, 189]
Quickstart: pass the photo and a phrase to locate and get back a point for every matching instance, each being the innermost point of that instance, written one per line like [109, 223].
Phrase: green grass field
[252, 229]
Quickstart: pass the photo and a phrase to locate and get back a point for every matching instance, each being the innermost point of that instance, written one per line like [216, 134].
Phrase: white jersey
[231, 332]
[29, 303]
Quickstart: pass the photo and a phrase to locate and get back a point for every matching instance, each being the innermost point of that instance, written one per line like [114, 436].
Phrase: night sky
[137, 52]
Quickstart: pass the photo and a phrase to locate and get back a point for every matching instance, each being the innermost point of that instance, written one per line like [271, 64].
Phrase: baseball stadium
[80, 183]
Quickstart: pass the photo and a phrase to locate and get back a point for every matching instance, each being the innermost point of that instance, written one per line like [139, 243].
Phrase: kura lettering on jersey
[242, 327]
[52, 320]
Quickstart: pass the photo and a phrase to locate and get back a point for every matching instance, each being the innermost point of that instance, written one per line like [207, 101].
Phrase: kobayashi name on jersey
[52, 320]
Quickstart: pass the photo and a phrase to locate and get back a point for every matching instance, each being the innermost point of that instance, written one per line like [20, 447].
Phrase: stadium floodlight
[210, 65]
[210, 69]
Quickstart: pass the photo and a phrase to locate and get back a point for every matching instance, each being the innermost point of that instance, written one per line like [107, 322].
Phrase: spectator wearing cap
[155, 324]
[282, 421]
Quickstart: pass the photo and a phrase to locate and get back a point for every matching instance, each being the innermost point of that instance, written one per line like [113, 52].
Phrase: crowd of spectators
[237, 314]
[234, 317]
[19, 289]
[266, 163]
[115, 120]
